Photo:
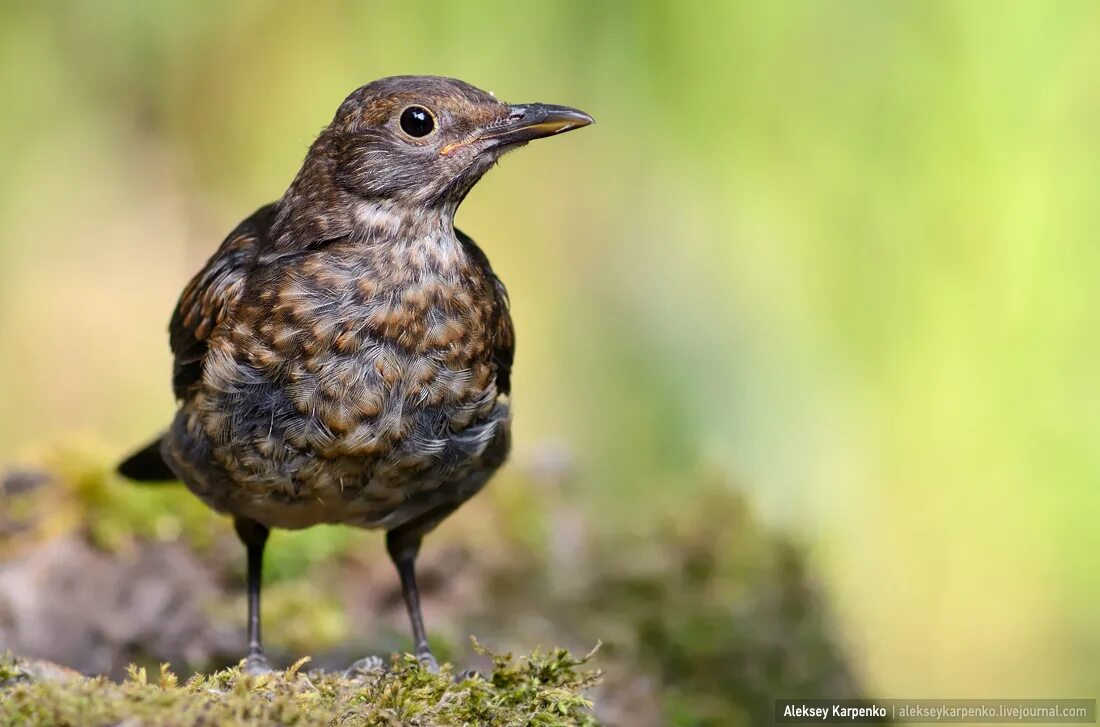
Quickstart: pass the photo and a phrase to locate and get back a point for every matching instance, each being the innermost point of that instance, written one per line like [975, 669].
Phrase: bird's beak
[526, 122]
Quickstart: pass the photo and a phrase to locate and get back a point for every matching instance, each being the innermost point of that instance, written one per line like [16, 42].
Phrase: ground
[538, 690]
[704, 615]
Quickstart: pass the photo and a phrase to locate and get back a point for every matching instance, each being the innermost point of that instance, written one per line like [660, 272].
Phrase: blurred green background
[842, 253]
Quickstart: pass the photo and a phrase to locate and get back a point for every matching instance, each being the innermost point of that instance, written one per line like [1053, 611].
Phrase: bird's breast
[346, 354]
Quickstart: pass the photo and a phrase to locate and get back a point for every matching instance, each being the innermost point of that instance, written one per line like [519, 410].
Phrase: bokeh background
[838, 256]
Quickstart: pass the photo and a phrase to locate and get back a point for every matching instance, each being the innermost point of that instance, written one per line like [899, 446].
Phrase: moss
[722, 613]
[541, 689]
[308, 619]
[76, 491]
[706, 612]
[10, 672]
[117, 515]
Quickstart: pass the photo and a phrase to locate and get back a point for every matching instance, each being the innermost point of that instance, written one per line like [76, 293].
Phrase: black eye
[417, 121]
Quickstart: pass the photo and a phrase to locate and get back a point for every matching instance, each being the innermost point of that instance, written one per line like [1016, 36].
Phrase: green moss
[536, 690]
[9, 670]
[117, 516]
[308, 619]
[292, 553]
[709, 610]
[716, 609]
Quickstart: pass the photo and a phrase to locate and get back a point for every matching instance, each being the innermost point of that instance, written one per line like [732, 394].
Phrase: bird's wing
[209, 298]
[502, 332]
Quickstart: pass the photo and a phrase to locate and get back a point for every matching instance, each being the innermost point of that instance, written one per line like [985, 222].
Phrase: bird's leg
[254, 536]
[403, 545]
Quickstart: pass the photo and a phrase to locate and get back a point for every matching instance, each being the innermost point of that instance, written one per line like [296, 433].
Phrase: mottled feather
[209, 298]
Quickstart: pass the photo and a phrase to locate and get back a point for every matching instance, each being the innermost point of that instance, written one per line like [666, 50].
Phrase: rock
[66, 602]
[14, 670]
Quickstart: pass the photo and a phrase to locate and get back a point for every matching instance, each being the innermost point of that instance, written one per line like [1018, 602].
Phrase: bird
[345, 356]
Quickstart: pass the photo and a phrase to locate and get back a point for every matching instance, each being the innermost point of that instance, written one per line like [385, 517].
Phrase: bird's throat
[381, 220]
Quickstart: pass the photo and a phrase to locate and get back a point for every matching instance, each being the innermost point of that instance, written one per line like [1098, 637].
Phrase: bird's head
[424, 141]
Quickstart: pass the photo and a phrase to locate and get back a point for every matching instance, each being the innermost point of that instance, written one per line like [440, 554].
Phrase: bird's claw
[366, 665]
[256, 665]
[427, 660]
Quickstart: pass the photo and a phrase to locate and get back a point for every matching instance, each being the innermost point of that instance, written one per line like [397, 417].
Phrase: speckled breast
[351, 384]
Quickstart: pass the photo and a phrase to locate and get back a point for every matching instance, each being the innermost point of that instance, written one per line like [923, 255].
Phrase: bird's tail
[147, 465]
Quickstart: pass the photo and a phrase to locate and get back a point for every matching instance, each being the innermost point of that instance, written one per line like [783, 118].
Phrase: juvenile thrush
[345, 355]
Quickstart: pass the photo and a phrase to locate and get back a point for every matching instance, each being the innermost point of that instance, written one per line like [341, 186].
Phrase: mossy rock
[706, 613]
[540, 689]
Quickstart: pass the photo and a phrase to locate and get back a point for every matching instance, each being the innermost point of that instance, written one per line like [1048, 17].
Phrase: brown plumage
[345, 356]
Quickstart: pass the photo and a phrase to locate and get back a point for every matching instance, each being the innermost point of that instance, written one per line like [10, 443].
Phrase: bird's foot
[366, 665]
[256, 665]
[427, 660]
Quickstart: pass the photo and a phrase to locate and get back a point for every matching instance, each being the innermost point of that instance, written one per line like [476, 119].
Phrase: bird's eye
[417, 121]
